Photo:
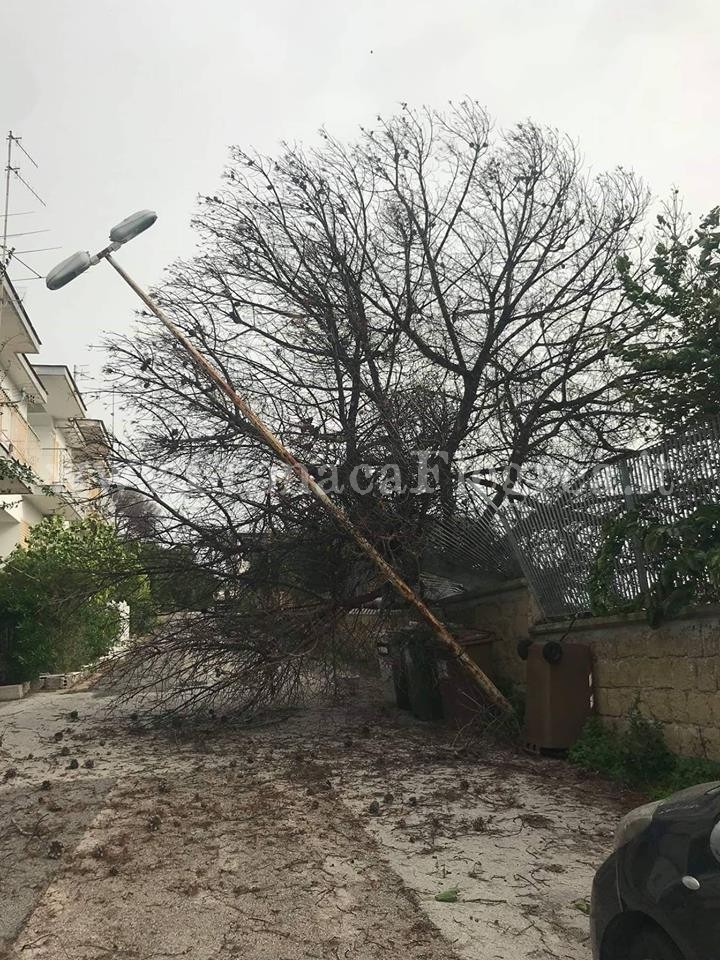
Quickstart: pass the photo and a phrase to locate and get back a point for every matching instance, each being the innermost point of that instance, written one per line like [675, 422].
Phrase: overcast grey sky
[132, 103]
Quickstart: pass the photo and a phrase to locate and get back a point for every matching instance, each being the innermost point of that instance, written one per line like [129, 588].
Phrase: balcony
[65, 479]
[17, 436]
[59, 466]
[57, 483]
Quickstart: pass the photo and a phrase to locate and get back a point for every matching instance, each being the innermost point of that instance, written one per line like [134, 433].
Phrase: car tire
[651, 944]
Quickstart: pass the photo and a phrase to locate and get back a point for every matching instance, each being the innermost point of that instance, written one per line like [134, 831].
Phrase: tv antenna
[12, 174]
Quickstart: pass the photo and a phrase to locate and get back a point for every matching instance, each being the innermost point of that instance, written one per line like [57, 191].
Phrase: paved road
[326, 834]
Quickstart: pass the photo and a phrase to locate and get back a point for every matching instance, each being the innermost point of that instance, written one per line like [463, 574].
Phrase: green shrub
[637, 755]
[683, 558]
[59, 591]
[646, 756]
[686, 773]
[598, 750]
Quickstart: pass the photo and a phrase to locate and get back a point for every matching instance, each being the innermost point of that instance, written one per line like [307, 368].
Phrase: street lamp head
[133, 225]
[69, 269]
[79, 262]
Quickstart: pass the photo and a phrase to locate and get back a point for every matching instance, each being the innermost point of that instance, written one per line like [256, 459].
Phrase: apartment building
[53, 457]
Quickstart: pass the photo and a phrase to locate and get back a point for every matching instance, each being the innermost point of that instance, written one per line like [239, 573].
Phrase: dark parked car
[657, 897]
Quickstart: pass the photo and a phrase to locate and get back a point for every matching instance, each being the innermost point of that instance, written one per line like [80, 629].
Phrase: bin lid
[473, 636]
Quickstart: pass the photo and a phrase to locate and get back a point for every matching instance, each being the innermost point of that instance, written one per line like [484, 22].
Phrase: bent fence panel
[554, 538]
[558, 535]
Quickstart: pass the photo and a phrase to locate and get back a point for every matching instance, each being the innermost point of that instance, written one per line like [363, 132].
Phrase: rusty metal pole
[269, 438]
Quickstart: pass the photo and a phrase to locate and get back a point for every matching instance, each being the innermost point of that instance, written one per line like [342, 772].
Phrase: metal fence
[478, 541]
[554, 537]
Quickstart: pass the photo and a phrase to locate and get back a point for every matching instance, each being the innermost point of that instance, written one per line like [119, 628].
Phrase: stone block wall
[673, 671]
[510, 612]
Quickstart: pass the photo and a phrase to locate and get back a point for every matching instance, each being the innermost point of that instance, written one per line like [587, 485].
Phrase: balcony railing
[53, 465]
[59, 466]
[17, 435]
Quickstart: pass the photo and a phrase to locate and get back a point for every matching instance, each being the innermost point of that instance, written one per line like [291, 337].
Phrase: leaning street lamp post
[129, 228]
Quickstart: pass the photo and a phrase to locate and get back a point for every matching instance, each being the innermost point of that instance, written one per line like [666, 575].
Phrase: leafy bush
[598, 749]
[683, 558]
[59, 591]
[646, 756]
[638, 756]
[686, 773]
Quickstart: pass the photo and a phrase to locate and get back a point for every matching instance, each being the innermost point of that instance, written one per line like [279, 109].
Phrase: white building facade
[53, 457]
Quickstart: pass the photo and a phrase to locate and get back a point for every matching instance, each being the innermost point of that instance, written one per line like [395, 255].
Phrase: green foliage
[638, 756]
[14, 470]
[683, 557]
[176, 581]
[604, 599]
[678, 362]
[59, 589]
[686, 773]
[645, 755]
[599, 750]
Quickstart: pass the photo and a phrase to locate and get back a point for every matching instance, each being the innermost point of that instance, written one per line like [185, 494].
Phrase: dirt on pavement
[324, 833]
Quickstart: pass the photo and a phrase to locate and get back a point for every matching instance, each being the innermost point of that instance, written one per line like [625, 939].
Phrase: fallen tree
[429, 297]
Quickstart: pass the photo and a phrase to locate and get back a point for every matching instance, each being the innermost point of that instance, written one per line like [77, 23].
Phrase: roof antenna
[11, 172]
